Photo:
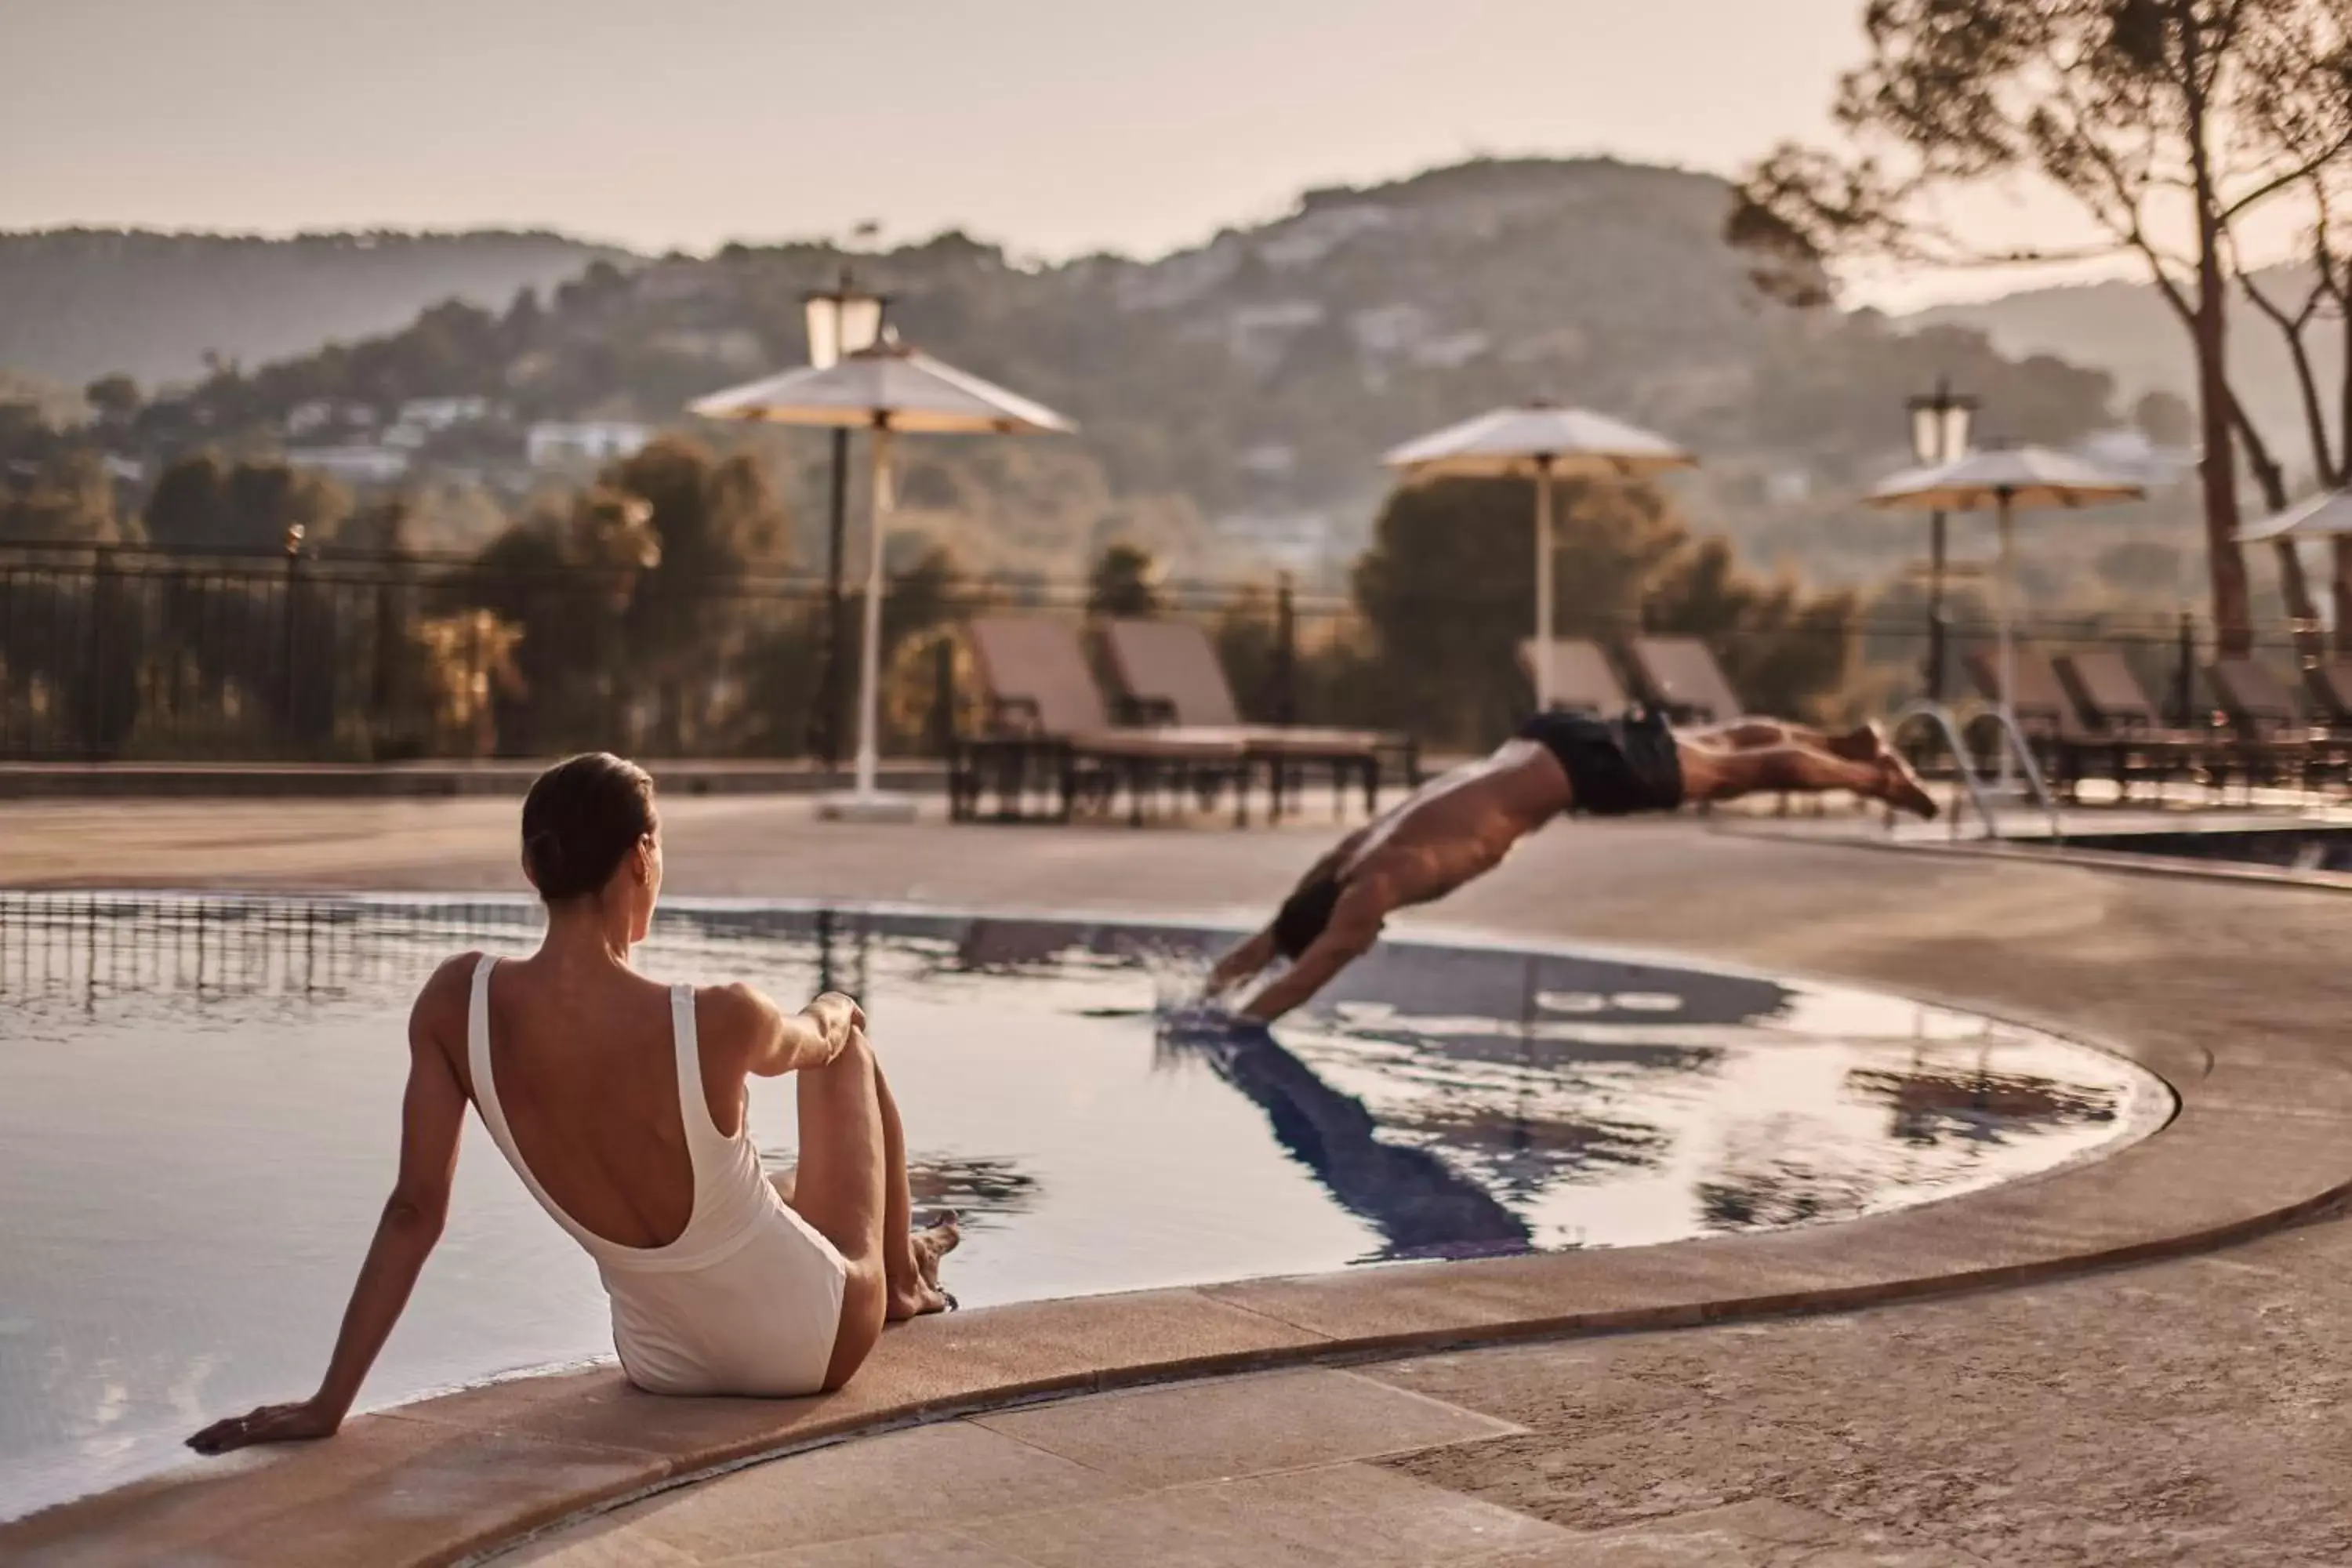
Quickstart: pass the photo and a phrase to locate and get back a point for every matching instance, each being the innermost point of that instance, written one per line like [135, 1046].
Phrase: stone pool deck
[2114, 1386]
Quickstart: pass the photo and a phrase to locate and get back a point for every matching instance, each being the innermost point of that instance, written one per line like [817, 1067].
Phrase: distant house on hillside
[443, 412]
[2126, 452]
[551, 444]
[1321, 230]
[1302, 539]
[361, 465]
[322, 413]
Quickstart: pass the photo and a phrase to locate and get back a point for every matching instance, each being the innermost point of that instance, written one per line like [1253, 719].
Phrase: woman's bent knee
[853, 1061]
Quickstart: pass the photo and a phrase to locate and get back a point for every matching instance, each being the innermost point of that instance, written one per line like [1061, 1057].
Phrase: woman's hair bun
[580, 821]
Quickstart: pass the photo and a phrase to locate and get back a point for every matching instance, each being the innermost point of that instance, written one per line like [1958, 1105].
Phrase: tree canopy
[2167, 124]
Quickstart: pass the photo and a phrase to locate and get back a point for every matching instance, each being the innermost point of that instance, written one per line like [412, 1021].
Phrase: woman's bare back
[586, 1069]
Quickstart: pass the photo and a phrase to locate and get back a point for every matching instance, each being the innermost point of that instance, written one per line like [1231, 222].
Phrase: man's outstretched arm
[1354, 927]
[1244, 962]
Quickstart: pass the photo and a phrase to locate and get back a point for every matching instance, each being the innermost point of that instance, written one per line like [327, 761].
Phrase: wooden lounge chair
[2255, 700]
[2113, 706]
[2063, 744]
[1582, 679]
[2331, 694]
[1044, 727]
[2040, 701]
[1171, 676]
[2274, 737]
[1681, 676]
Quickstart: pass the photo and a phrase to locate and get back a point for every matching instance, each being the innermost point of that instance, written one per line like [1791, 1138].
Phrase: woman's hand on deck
[298, 1422]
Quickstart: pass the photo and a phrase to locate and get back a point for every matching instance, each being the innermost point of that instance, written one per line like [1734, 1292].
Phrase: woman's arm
[783, 1042]
[432, 1115]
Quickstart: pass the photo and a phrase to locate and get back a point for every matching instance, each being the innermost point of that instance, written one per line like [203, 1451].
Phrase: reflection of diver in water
[1422, 1206]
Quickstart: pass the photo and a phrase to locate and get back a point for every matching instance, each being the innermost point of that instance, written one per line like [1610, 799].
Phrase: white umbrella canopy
[2005, 479]
[1542, 441]
[2328, 512]
[889, 385]
[1539, 437]
[890, 388]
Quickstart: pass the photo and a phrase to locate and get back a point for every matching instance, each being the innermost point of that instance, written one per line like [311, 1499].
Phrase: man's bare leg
[1712, 774]
[1864, 745]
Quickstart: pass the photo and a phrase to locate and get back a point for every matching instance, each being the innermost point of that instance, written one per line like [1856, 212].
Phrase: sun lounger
[2113, 706]
[1681, 676]
[2274, 738]
[2039, 703]
[1044, 727]
[2108, 696]
[2065, 746]
[2331, 694]
[1582, 679]
[1171, 676]
[2256, 701]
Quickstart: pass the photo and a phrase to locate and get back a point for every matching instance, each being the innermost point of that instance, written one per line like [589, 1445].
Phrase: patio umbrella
[890, 388]
[2328, 512]
[1541, 441]
[2006, 478]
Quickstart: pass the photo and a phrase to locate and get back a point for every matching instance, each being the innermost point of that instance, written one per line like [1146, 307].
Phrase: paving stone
[1240, 1427]
[948, 1474]
[607, 1542]
[920, 1549]
[1345, 1514]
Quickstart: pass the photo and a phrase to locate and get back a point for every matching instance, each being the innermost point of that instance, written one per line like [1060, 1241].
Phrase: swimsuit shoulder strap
[702, 1135]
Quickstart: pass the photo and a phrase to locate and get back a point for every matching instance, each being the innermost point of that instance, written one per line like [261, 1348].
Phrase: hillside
[2128, 331]
[1233, 398]
[76, 304]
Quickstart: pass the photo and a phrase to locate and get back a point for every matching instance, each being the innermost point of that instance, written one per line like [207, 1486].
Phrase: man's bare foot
[1866, 744]
[918, 1292]
[1903, 788]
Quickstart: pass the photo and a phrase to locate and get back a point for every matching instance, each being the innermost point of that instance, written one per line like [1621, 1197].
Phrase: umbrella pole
[2004, 587]
[869, 658]
[1543, 583]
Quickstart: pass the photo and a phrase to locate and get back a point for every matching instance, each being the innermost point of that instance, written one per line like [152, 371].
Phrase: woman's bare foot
[916, 1290]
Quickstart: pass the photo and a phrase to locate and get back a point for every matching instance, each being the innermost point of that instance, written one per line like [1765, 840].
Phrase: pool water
[2289, 847]
[199, 1097]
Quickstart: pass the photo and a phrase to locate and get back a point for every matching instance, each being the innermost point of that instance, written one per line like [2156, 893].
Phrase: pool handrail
[1964, 770]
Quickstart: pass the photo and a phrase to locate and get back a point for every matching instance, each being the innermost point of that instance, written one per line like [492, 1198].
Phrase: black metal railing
[130, 653]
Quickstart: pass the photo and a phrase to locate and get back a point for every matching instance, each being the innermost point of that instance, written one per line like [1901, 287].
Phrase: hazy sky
[1052, 126]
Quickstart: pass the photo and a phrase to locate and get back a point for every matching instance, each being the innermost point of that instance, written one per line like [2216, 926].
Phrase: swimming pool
[198, 1102]
[2292, 846]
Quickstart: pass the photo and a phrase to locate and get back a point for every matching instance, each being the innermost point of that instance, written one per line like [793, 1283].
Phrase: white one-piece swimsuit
[747, 1300]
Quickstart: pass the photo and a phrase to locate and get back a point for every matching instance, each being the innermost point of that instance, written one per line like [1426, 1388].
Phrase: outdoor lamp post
[841, 321]
[1939, 434]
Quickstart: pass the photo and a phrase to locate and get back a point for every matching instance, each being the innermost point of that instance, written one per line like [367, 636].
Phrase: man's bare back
[1459, 827]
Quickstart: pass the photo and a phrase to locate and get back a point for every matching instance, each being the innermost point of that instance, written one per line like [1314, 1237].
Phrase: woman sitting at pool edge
[621, 1102]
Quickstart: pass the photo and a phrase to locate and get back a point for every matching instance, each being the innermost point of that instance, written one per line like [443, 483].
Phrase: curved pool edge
[2252, 1146]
